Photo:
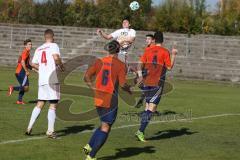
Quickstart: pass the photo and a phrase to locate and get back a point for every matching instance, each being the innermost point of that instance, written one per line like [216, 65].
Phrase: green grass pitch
[213, 132]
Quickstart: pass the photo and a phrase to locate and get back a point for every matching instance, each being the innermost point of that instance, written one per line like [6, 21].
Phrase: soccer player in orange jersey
[149, 43]
[110, 72]
[22, 72]
[155, 61]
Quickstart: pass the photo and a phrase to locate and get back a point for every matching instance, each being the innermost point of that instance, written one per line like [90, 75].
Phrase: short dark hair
[26, 42]
[49, 32]
[126, 18]
[158, 36]
[150, 35]
[112, 47]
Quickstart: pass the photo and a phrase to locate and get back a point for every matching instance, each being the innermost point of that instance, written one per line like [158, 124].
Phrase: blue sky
[211, 3]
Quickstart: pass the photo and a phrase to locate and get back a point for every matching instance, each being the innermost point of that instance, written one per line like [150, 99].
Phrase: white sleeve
[35, 58]
[55, 49]
[115, 34]
[133, 33]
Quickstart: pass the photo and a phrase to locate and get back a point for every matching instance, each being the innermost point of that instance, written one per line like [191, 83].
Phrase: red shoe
[20, 102]
[10, 90]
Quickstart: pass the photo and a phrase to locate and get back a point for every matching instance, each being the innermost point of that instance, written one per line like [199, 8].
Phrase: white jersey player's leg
[51, 120]
[35, 113]
[122, 56]
[51, 93]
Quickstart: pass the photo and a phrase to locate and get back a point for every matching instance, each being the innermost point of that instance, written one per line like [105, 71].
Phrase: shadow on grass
[129, 152]
[70, 130]
[171, 133]
[156, 113]
[74, 130]
[33, 101]
[164, 113]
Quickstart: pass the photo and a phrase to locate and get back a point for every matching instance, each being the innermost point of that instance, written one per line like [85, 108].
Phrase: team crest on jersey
[124, 33]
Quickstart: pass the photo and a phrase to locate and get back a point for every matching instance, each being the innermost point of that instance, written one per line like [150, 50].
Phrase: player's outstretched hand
[174, 51]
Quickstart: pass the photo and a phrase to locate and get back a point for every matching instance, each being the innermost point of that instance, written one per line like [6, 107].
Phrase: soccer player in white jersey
[46, 59]
[125, 36]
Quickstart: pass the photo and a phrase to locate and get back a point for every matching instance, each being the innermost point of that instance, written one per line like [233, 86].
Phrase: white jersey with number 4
[43, 56]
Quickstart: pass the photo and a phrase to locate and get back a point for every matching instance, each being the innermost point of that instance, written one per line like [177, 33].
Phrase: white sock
[51, 119]
[35, 113]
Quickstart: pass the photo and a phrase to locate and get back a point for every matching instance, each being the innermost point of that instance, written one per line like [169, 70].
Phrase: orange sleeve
[167, 60]
[143, 58]
[24, 55]
[122, 75]
[92, 69]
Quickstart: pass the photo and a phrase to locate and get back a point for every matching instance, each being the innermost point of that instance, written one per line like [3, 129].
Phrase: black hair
[126, 18]
[112, 47]
[49, 32]
[150, 35]
[26, 42]
[158, 36]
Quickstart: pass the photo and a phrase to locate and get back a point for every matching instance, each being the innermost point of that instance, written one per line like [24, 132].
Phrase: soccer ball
[134, 6]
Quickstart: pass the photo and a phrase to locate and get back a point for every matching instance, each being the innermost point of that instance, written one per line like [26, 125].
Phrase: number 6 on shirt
[105, 77]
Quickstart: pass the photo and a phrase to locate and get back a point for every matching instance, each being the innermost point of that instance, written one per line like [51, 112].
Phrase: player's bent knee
[40, 104]
[152, 107]
[53, 106]
[105, 127]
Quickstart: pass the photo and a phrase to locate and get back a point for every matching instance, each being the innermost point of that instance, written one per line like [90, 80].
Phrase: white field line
[126, 126]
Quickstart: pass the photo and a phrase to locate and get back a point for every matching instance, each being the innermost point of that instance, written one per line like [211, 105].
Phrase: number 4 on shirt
[44, 58]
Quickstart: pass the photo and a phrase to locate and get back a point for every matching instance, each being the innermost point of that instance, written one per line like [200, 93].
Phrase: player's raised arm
[104, 35]
[173, 57]
[169, 62]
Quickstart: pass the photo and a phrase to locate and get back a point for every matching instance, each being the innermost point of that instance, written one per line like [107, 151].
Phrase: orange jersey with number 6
[110, 72]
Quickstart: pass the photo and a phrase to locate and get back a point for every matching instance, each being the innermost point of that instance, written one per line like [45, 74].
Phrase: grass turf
[208, 138]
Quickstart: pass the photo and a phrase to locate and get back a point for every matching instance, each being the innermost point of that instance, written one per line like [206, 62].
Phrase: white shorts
[49, 92]
[122, 56]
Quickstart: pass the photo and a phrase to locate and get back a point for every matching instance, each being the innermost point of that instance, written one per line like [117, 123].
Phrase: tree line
[181, 16]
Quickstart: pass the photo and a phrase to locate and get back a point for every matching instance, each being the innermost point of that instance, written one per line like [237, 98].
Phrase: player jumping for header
[110, 72]
[46, 59]
[155, 60]
[125, 37]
